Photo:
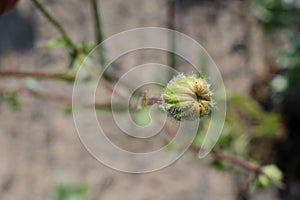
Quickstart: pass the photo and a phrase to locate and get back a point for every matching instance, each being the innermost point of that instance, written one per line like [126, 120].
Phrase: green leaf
[12, 99]
[219, 164]
[60, 41]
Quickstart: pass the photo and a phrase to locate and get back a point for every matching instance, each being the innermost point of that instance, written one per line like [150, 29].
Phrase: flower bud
[272, 176]
[187, 98]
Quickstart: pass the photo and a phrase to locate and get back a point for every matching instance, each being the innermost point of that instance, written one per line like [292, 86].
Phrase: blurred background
[255, 44]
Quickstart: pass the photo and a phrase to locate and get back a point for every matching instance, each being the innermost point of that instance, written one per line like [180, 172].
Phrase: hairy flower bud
[187, 98]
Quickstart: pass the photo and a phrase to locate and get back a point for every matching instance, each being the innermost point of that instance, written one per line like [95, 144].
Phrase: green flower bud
[272, 176]
[187, 98]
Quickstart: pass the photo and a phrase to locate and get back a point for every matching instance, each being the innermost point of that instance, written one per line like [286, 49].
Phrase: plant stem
[56, 24]
[171, 11]
[57, 76]
[97, 22]
[171, 6]
[98, 33]
[38, 75]
[53, 97]
[153, 100]
[242, 163]
[236, 161]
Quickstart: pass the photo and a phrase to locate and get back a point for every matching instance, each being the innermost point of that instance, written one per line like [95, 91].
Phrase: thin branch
[51, 96]
[55, 23]
[97, 22]
[153, 100]
[99, 36]
[242, 163]
[148, 101]
[38, 75]
[144, 101]
[236, 161]
[171, 6]
[171, 24]
[58, 76]
[71, 77]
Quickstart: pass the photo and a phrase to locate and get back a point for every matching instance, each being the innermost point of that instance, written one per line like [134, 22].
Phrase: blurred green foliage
[75, 56]
[64, 190]
[271, 177]
[277, 14]
[284, 16]
[246, 123]
[12, 99]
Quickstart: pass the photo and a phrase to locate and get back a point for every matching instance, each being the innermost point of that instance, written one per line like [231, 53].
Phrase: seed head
[187, 98]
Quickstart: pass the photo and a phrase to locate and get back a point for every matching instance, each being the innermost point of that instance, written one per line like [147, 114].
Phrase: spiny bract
[187, 97]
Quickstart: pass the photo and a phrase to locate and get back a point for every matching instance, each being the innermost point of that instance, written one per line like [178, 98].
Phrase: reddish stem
[58, 76]
[50, 96]
[242, 163]
[39, 75]
[153, 100]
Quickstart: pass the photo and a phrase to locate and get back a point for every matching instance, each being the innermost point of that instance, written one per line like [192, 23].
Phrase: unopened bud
[187, 98]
